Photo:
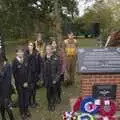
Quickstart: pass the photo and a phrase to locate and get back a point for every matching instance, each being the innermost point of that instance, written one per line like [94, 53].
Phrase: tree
[21, 18]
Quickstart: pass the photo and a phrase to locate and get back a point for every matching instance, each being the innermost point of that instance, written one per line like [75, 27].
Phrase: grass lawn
[41, 113]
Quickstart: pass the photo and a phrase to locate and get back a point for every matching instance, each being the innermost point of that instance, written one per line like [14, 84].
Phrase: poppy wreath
[108, 118]
[107, 110]
[70, 116]
[88, 106]
[85, 116]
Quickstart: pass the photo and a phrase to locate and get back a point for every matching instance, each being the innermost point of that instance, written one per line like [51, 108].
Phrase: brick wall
[88, 80]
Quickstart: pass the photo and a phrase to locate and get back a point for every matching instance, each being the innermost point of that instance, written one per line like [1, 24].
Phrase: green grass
[41, 113]
[87, 42]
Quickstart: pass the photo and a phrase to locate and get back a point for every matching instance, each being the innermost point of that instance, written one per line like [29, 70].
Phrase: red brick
[87, 81]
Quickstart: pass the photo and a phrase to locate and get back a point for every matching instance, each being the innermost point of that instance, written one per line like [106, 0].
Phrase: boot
[24, 117]
[27, 113]
[53, 107]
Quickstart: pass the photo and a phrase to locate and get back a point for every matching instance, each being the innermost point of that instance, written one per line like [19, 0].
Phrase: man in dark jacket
[51, 75]
[20, 73]
[5, 83]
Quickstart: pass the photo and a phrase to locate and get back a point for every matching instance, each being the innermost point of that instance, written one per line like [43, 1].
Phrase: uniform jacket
[5, 81]
[34, 65]
[20, 72]
[51, 70]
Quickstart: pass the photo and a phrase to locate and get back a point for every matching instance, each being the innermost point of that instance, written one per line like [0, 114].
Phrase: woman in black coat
[5, 84]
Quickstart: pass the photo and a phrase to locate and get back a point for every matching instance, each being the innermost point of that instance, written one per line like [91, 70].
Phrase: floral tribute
[89, 107]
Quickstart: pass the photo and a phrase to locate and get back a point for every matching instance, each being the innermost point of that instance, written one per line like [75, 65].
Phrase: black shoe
[24, 117]
[34, 105]
[49, 107]
[53, 108]
[28, 114]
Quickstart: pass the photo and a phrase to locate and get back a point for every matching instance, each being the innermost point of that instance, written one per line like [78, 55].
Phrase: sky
[83, 5]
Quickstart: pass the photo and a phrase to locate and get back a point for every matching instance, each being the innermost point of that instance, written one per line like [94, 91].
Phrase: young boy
[51, 76]
[5, 83]
[20, 73]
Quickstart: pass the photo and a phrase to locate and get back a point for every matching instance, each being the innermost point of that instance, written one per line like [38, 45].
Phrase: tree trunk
[58, 21]
[2, 48]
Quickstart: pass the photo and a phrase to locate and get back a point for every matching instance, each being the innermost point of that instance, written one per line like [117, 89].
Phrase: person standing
[59, 51]
[51, 76]
[34, 71]
[61, 54]
[70, 46]
[20, 74]
[40, 45]
[5, 83]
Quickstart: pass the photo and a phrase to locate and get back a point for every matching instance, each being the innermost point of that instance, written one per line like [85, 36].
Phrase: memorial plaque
[99, 60]
[104, 91]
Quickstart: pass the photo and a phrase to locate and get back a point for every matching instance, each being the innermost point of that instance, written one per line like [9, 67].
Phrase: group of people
[48, 63]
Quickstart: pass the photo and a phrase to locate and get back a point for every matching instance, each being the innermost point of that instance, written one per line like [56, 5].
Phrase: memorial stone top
[98, 60]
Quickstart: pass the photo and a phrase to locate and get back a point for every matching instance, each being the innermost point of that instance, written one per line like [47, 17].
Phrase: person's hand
[41, 82]
[54, 82]
[25, 85]
[37, 48]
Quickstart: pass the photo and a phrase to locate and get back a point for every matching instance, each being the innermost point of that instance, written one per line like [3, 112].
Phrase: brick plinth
[87, 81]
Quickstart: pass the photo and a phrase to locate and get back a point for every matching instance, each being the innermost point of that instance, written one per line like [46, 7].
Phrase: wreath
[107, 110]
[107, 118]
[70, 116]
[88, 106]
[85, 116]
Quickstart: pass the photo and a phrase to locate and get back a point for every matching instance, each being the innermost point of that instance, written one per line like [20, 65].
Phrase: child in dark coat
[5, 83]
[51, 76]
[59, 51]
[34, 71]
[20, 73]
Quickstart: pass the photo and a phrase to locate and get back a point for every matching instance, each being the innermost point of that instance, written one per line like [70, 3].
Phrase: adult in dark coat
[51, 76]
[20, 73]
[34, 71]
[5, 83]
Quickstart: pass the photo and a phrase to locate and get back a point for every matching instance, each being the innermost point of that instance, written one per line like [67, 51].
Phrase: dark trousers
[58, 87]
[51, 94]
[33, 89]
[23, 100]
[58, 90]
[5, 108]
